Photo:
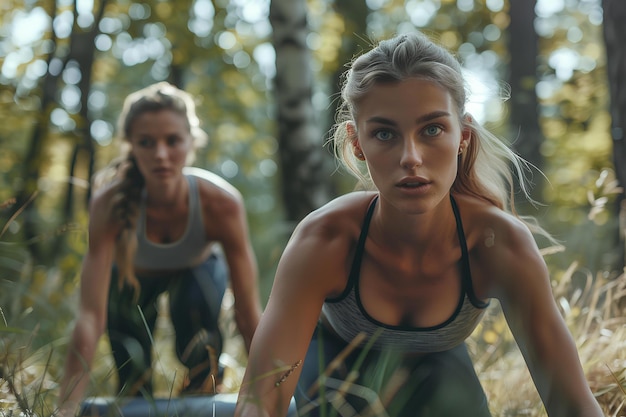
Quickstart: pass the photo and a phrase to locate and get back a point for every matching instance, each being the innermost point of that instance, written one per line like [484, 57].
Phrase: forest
[549, 76]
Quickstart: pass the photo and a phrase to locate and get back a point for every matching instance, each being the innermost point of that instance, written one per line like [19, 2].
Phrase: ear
[466, 132]
[354, 139]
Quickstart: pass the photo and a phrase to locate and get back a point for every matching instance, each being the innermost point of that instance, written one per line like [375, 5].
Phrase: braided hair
[123, 174]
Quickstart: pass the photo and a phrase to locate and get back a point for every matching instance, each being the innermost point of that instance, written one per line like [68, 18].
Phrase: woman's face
[410, 135]
[160, 142]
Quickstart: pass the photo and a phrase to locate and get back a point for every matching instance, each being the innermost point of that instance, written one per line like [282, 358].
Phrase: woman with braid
[377, 291]
[158, 225]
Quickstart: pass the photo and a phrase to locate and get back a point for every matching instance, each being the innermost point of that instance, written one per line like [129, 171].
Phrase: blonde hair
[485, 168]
[123, 174]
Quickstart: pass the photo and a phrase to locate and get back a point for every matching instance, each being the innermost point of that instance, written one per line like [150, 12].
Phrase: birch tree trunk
[304, 161]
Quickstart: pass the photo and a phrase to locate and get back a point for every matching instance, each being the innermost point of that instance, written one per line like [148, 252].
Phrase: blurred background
[549, 76]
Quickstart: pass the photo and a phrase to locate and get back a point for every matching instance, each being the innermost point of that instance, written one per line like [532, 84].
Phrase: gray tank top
[347, 316]
[189, 251]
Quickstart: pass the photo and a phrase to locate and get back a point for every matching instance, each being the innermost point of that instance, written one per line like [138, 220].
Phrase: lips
[413, 182]
[160, 170]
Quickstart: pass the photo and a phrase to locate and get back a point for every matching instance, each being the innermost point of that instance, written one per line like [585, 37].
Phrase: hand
[67, 409]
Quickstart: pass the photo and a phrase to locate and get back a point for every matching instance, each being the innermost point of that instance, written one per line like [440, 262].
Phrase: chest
[166, 226]
[404, 290]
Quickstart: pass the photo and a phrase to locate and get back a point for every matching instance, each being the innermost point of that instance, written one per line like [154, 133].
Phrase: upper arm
[522, 284]
[224, 209]
[307, 273]
[233, 234]
[229, 226]
[97, 263]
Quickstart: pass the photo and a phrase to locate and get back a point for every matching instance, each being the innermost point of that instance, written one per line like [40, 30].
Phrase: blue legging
[195, 297]
[442, 384]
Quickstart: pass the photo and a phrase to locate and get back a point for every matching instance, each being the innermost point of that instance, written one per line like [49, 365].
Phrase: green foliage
[220, 52]
[33, 313]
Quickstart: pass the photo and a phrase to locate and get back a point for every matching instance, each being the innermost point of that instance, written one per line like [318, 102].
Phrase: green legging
[195, 297]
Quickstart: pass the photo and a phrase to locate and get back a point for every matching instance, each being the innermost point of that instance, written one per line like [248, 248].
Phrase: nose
[160, 150]
[411, 155]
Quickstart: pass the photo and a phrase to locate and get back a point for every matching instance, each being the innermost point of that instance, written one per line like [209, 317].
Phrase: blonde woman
[377, 291]
[158, 225]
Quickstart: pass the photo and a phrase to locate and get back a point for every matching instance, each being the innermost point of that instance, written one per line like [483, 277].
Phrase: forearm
[247, 319]
[77, 368]
[274, 367]
[247, 301]
[561, 381]
[592, 409]
[73, 385]
[259, 397]
[584, 406]
[247, 408]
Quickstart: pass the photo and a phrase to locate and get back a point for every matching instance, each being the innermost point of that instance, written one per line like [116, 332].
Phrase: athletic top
[189, 251]
[347, 316]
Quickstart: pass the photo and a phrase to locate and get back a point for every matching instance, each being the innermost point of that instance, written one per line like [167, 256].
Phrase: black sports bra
[347, 316]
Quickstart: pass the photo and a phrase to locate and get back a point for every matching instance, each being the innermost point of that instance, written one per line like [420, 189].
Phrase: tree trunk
[614, 37]
[34, 154]
[354, 14]
[304, 163]
[82, 51]
[524, 119]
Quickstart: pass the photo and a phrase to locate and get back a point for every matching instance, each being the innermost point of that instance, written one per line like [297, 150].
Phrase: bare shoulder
[333, 229]
[215, 192]
[320, 248]
[503, 249]
[104, 194]
[342, 216]
[103, 221]
[212, 180]
[102, 201]
[487, 224]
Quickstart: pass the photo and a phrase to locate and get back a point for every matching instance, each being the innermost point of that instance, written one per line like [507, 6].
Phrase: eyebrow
[424, 118]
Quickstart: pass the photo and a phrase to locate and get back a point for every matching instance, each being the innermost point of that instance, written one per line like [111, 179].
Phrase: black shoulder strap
[355, 268]
[466, 274]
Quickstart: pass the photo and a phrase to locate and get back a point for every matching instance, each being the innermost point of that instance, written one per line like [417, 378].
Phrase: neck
[415, 231]
[167, 195]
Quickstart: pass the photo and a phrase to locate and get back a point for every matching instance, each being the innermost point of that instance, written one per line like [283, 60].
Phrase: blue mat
[219, 405]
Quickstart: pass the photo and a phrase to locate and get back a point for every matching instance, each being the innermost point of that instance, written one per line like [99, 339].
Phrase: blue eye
[383, 135]
[432, 130]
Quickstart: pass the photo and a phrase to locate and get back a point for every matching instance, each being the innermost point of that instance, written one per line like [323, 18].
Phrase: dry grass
[168, 372]
[28, 376]
[594, 310]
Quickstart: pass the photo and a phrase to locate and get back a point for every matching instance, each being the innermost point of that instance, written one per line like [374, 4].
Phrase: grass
[594, 313]
[35, 325]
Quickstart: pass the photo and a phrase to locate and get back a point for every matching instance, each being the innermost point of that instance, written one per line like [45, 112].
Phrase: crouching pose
[377, 291]
[158, 225]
